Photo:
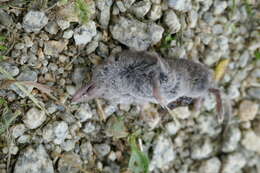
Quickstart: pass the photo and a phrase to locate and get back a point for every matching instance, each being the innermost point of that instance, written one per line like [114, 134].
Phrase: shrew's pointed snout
[85, 93]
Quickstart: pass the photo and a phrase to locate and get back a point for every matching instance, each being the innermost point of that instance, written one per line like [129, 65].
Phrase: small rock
[128, 3]
[155, 12]
[172, 128]
[26, 75]
[121, 6]
[254, 93]
[163, 153]
[180, 5]
[212, 165]
[5, 18]
[110, 109]
[85, 33]
[78, 75]
[19, 46]
[182, 112]
[34, 161]
[202, 149]
[84, 113]
[104, 7]
[88, 128]
[193, 18]
[251, 141]
[233, 163]
[52, 27]
[140, 35]
[34, 118]
[63, 24]
[12, 69]
[125, 107]
[102, 149]
[53, 48]
[232, 138]
[248, 110]
[68, 145]
[24, 139]
[172, 21]
[68, 34]
[220, 7]
[115, 127]
[60, 132]
[207, 124]
[141, 8]
[69, 163]
[34, 21]
[18, 130]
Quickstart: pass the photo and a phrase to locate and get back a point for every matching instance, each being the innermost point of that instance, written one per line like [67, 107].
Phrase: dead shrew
[133, 77]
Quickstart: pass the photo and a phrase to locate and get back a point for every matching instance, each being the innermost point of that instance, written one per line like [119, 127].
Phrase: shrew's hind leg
[219, 108]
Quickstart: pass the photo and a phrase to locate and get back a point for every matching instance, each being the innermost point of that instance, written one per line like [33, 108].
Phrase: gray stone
[155, 12]
[163, 154]
[232, 138]
[172, 128]
[53, 48]
[84, 112]
[18, 130]
[5, 18]
[104, 7]
[207, 124]
[212, 165]
[202, 149]
[180, 5]
[19, 46]
[251, 141]
[26, 75]
[102, 149]
[89, 128]
[128, 3]
[60, 132]
[12, 69]
[140, 35]
[233, 163]
[141, 8]
[68, 145]
[34, 161]
[34, 118]
[85, 33]
[172, 22]
[68, 34]
[254, 92]
[121, 6]
[193, 18]
[220, 7]
[34, 21]
[69, 163]
[52, 27]
[247, 110]
[63, 24]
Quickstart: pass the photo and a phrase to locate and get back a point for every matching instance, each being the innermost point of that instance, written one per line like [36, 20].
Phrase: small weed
[7, 116]
[139, 162]
[82, 9]
[249, 8]
[257, 55]
[167, 40]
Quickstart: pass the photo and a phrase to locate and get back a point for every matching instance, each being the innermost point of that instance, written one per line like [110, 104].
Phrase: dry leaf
[221, 68]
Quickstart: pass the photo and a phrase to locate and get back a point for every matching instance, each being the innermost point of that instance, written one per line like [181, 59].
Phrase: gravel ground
[52, 44]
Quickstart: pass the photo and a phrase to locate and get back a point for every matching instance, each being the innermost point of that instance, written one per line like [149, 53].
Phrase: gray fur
[130, 77]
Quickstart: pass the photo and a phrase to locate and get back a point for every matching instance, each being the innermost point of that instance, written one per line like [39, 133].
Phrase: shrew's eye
[163, 77]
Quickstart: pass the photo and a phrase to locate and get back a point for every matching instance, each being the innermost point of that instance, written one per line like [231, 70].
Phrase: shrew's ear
[86, 93]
